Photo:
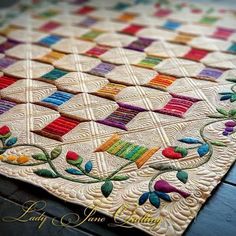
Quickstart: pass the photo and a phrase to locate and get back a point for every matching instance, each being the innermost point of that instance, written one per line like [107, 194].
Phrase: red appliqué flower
[4, 130]
[73, 156]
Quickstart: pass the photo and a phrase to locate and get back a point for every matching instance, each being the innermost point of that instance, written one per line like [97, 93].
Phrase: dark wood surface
[217, 217]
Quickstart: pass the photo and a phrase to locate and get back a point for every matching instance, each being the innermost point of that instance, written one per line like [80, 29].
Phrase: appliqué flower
[175, 152]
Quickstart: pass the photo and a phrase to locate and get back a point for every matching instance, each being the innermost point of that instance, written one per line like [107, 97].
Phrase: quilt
[126, 107]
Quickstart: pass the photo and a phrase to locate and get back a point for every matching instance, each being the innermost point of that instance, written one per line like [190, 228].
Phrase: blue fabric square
[171, 25]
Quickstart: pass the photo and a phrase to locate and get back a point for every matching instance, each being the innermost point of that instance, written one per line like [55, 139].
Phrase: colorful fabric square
[5, 105]
[210, 73]
[196, 54]
[48, 14]
[183, 38]
[49, 40]
[58, 128]
[163, 12]
[140, 44]
[87, 22]
[149, 62]
[132, 29]
[121, 116]
[96, 51]
[85, 10]
[120, 6]
[178, 105]
[58, 98]
[232, 48]
[6, 81]
[7, 45]
[223, 33]
[54, 74]
[126, 16]
[209, 20]
[171, 25]
[51, 57]
[110, 90]
[102, 69]
[127, 150]
[161, 82]
[6, 62]
[91, 35]
[49, 26]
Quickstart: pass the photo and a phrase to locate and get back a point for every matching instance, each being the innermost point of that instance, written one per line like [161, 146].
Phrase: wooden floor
[216, 218]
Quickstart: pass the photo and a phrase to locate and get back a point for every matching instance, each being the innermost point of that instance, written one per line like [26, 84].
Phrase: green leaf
[6, 136]
[77, 163]
[216, 116]
[2, 151]
[120, 177]
[218, 143]
[107, 188]
[232, 112]
[232, 80]
[45, 173]
[182, 176]
[56, 152]
[10, 142]
[222, 111]
[233, 98]
[182, 150]
[39, 157]
[154, 200]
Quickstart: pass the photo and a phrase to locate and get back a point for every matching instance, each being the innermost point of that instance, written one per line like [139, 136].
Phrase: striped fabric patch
[110, 90]
[223, 33]
[87, 22]
[183, 38]
[132, 29]
[178, 105]
[58, 98]
[54, 74]
[96, 51]
[161, 82]
[5, 105]
[51, 57]
[6, 61]
[49, 40]
[7, 45]
[149, 62]
[210, 73]
[91, 35]
[196, 54]
[232, 48]
[49, 26]
[126, 16]
[171, 25]
[127, 150]
[58, 128]
[140, 44]
[84, 10]
[121, 116]
[6, 81]
[102, 69]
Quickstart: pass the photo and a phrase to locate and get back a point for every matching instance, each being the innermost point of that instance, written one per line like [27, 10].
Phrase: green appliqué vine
[159, 190]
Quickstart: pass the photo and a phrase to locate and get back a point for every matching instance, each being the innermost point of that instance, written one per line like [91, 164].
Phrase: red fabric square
[6, 81]
[132, 29]
[222, 33]
[96, 51]
[162, 12]
[85, 10]
[51, 25]
[196, 54]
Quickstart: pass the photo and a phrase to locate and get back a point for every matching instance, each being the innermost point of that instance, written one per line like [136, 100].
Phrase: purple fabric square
[5, 105]
[140, 44]
[102, 69]
[210, 73]
[7, 45]
[6, 61]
